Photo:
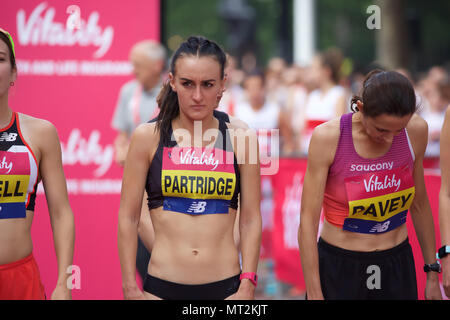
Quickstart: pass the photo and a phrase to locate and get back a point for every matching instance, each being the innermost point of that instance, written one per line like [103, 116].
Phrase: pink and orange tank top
[18, 172]
[369, 195]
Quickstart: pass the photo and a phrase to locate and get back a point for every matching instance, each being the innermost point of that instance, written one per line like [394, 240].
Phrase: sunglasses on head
[10, 40]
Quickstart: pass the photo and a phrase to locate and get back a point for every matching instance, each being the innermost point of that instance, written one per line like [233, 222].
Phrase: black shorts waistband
[218, 290]
[322, 244]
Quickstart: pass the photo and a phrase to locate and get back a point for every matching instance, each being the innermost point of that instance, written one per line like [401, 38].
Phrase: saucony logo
[372, 167]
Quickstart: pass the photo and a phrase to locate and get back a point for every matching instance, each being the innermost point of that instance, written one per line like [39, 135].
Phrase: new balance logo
[380, 227]
[5, 136]
[197, 207]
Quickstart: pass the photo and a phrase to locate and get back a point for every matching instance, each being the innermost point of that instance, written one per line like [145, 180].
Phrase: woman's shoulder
[146, 131]
[239, 128]
[244, 140]
[328, 131]
[324, 142]
[417, 130]
[417, 126]
[144, 141]
[236, 123]
[447, 113]
[36, 126]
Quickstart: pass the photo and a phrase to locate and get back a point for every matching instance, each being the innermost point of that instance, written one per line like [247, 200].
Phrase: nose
[197, 96]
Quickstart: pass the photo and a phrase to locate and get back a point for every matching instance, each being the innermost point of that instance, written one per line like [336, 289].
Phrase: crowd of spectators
[295, 99]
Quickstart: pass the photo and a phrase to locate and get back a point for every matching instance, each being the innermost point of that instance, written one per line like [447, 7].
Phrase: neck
[327, 85]
[5, 111]
[360, 125]
[150, 84]
[195, 128]
[257, 105]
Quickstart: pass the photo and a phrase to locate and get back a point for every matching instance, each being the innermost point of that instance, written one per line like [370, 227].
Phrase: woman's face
[198, 83]
[319, 73]
[145, 70]
[254, 88]
[7, 74]
[383, 128]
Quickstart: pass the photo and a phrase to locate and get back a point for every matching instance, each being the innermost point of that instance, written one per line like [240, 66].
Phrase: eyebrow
[210, 80]
[381, 129]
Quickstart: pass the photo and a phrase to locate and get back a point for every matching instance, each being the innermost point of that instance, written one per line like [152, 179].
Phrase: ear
[224, 82]
[172, 81]
[14, 75]
[360, 105]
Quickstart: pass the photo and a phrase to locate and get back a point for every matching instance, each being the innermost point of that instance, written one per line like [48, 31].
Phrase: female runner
[30, 151]
[366, 179]
[193, 184]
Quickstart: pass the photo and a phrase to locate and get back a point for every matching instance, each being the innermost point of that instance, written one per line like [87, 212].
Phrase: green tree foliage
[192, 17]
[340, 23]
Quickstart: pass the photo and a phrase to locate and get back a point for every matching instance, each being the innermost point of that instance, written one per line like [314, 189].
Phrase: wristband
[435, 267]
[250, 276]
[442, 252]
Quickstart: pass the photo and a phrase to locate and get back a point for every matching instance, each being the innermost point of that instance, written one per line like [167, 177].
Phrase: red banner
[288, 186]
[72, 59]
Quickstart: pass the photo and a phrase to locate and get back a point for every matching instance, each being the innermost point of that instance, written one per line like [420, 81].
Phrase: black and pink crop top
[195, 180]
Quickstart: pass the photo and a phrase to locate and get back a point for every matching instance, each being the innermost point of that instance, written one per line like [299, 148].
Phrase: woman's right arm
[320, 157]
[133, 184]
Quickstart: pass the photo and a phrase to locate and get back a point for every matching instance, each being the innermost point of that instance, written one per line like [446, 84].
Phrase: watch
[442, 252]
[436, 267]
[250, 276]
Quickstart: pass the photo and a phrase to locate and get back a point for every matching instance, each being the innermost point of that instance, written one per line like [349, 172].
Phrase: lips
[197, 107]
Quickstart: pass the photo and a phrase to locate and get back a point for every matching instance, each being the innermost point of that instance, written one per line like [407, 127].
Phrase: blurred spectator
[438, 101]
[329, 99]
[421, 101]
[136, 105]
[426, 87]
[137, 99]
[234, 93]
[261, 113]
[404, 72]
[274, 80]
[296, 95]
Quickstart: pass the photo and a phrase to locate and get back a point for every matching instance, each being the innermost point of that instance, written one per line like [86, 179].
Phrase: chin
[199, 115]
[378, 140]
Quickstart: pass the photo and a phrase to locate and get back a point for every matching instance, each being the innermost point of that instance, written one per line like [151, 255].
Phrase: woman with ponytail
[188, 163]
[366, 179]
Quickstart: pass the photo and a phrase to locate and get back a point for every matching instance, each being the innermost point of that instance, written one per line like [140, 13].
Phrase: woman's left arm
[420, 210]
[61, 216]
[444, 199]
[250, 222]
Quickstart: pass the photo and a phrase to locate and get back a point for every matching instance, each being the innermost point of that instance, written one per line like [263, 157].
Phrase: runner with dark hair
[365, 170]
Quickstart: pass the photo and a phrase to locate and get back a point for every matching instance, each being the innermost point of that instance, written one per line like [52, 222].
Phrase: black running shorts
[378, 275]
[167, 290]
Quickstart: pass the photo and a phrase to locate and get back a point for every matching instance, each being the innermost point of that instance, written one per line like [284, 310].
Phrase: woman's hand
[61, 292]
[432, 288]
[246, 291]
[446, 275]
[133, 293]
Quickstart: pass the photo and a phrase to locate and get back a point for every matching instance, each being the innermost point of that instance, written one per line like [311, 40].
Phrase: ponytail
[169, 109]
